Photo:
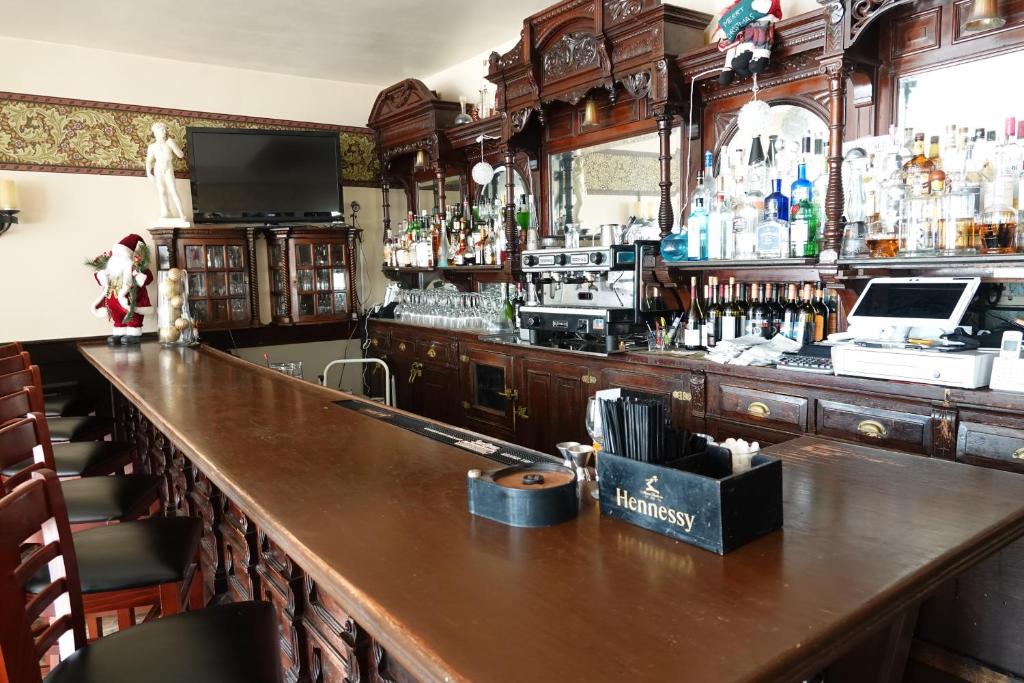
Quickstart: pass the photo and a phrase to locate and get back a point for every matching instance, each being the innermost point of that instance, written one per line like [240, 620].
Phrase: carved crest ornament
[570, 53]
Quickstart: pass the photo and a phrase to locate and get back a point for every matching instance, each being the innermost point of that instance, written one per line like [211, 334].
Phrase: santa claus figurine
[746, 34]
[123, 273]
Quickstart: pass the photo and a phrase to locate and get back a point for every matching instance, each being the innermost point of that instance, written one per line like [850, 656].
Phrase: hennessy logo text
[656, 510]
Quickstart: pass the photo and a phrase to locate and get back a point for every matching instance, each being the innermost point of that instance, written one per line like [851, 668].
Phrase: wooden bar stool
[10, 349]
[145, 563]
[62, 429]
[92, 500]
[235, 643]
[75, 458]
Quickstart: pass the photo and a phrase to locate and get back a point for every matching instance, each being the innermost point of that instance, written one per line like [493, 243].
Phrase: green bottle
[523, 213]
[803, 229]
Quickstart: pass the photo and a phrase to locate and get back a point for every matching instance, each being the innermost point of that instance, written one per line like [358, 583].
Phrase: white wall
[45, 291]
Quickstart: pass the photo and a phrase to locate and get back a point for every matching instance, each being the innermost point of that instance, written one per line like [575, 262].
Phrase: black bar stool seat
[235, 643]
[132, 554]
[109, 499]
[83, 458]
[80, 428]
[64, 405]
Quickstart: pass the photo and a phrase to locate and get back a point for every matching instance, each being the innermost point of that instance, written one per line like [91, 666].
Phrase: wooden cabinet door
[218, 282]
[551, 403]
[406, 396]
[488, 390]
[674, 387]
[433, 393]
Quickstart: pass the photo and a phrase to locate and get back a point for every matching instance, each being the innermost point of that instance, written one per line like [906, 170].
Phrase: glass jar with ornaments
[176, 325]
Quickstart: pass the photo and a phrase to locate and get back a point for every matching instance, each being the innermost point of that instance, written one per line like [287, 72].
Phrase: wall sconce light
[421, 160]
[589, 113]
[8, 205]
[984, 16]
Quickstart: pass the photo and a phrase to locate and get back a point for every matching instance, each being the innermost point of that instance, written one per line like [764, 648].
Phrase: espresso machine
[590, 298]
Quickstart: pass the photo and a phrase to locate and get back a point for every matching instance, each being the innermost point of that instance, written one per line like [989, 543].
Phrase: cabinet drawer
[990, 446]
[378, 344]
[885, 428]
[761, 407]
[435, 352]
[402, 348]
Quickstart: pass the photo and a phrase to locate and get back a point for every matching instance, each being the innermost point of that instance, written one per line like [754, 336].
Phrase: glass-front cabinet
[311, 274]
[218, 262]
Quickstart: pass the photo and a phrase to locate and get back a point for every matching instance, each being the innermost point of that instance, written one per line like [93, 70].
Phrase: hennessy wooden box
[697, 499]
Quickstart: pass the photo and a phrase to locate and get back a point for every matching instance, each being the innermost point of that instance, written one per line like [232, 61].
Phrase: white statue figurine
[160, 167]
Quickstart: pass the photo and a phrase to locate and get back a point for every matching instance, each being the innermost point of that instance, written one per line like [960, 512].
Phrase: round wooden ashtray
[534, 495]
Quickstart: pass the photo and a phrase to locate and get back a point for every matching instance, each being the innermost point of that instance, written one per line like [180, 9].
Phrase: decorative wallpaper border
[62, 135]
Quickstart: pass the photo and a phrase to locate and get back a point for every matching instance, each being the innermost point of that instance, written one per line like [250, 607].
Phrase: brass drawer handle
[375, 342]
[872, 429]
[509, 393]
[431, 353]
[758, 409]
[522, 414]
[464, 358]
[588, 379]
[682, 395]
[401, 346]
[1018, 454]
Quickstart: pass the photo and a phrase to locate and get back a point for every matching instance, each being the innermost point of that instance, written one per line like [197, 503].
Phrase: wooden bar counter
[359, 532]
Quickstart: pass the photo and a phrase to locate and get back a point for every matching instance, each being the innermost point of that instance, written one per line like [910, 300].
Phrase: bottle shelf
[917, 262]
[751, 264]
[469, 268]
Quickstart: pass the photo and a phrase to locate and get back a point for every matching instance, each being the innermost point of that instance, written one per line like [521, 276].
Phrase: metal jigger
[581, 456]
[563, 448]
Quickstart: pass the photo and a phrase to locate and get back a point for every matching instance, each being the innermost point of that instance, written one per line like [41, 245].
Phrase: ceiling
[377, 42]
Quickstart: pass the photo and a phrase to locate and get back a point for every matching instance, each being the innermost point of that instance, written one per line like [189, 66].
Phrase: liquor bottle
[937, 176]
[693, 332]
[744, 224]
[772, 237]
[388, 255]
[731, 315]
[759, 317]
[710, 316]
[820, 314]
[803, 230]
[777, 201]
[720, 222]
[508, 309]
[771, 302]
[443, 247]
[697, 224]
[740, 299]
[918, 169]
[674, 247]
[802, 189]
[757, 170]
[791, 316]
[805, 319]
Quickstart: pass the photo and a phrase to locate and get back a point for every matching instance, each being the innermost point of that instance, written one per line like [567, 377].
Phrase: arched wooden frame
[804, 102]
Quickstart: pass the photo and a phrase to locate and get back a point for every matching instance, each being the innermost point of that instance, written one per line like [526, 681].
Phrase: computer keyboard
[811, 358]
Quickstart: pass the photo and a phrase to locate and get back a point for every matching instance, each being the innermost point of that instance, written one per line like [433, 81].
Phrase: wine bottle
[759, 318]
[711, 317]
[731, 314]
[820, 314]
[791, 315]
[771, 302]
[693, 332]
[739, 298]
[805, 319]
[832, 323]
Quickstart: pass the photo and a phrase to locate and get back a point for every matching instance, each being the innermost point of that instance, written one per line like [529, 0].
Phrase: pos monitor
[890, 307]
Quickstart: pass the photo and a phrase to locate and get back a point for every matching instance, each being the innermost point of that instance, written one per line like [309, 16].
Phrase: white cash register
[895, 332]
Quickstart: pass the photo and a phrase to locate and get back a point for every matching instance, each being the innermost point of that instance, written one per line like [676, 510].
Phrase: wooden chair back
[16, 381]
[23, 438]
[11, 349]
[37, 506]
[14, 363]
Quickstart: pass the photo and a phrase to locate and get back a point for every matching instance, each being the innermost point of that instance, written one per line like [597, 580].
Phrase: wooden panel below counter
[358, 532]
[974, 617]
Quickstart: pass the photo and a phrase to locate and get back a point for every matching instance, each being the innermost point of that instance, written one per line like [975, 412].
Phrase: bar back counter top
[376, 517]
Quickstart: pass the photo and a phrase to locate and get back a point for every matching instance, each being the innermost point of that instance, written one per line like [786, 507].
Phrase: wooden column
[439, 179]
[511, 228]
[385, 203]
[837, 72]
[665, 211]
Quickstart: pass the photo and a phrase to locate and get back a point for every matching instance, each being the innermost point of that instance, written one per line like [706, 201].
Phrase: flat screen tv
[264, 176]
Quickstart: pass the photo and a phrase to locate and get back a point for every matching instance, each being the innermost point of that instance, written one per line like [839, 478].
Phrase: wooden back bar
[377, 517]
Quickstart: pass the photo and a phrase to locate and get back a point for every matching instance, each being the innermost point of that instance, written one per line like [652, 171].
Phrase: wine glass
[596, 432]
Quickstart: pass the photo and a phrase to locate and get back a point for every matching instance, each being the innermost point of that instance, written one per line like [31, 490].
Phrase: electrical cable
[689, 123]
